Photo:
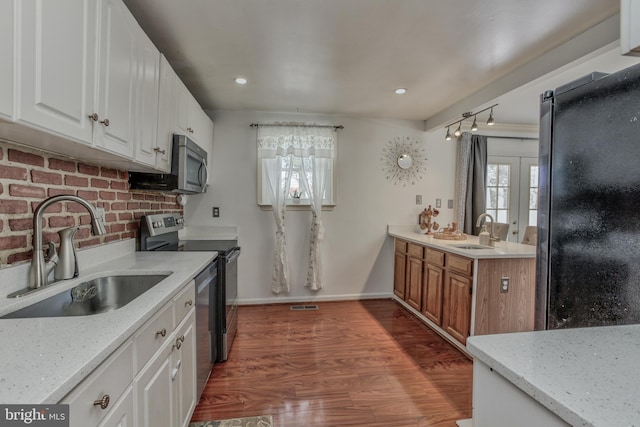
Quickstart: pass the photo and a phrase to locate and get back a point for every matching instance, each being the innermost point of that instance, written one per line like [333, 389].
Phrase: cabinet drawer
[434, 257]
[183, 302]
[415, 251]
[401, 246]
[460, 264]
[150, 337]
[111, 378]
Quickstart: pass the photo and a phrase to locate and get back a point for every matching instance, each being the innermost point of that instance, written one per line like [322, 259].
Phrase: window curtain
[315, 147]
[471, 178]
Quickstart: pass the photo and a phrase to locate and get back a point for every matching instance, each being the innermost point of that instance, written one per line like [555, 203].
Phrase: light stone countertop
[586, 376]
[45, 358]
[501, 250]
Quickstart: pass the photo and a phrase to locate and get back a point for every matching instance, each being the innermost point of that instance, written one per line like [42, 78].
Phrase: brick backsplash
[28, 176]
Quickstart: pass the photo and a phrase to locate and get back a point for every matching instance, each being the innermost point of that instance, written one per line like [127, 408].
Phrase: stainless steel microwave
[189, 170]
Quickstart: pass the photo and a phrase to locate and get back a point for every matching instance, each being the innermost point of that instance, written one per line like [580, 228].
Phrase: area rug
[259, 421]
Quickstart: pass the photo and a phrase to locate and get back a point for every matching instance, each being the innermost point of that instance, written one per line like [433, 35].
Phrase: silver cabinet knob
[103, 403]
[105, 122]
[94, 117]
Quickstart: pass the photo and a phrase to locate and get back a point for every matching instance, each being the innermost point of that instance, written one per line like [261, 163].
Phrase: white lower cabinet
[150, 381]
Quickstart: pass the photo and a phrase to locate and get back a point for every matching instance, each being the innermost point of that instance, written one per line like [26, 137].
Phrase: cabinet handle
[190, 130]
[179, 342]
[189, 303]
[162, 333]
[104, 402]
[94, 117]
[105, 122]
[159, 151]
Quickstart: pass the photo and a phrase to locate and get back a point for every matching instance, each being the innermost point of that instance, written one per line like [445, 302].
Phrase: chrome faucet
[40, 270]
[492, 237]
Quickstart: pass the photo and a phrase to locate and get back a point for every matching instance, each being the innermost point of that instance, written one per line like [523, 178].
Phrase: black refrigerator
[588, 254]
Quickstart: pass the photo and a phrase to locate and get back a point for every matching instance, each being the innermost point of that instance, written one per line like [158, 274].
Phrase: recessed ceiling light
[241, 80]
[400, 91]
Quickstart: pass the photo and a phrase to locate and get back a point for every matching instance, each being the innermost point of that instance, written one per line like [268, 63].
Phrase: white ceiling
[347, 56]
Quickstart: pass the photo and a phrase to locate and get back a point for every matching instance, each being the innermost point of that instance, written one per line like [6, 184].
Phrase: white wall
[358, 256]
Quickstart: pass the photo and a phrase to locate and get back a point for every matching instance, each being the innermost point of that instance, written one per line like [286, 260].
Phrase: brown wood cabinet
[456, 317]
[413, 287]
[439, 285]
[432, 285]
[400, 268]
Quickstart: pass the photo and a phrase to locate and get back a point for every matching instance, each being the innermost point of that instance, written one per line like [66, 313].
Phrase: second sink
[92, 297]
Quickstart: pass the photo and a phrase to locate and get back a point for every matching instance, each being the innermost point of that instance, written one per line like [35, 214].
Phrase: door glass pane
[533, 195]
[498, 191]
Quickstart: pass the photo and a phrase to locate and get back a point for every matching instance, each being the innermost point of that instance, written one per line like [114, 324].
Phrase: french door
[512, 192]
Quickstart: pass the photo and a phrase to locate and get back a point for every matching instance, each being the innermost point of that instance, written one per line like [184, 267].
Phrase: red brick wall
[28, 176]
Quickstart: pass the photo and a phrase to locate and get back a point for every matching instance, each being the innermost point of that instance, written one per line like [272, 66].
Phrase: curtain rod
[255, 125]
[514, 137]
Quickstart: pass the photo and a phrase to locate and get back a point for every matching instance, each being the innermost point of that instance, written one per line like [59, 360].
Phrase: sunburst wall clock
[404, 161]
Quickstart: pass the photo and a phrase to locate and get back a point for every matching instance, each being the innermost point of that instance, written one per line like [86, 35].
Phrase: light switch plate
[418, 199]
[450, 204]
[438, 203]
[216, 212]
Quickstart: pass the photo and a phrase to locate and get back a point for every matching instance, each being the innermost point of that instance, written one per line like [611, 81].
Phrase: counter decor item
[403, 161]
[450, 233]
[425, 223]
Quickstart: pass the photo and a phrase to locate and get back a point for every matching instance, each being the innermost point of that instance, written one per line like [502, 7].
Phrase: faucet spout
[39, 273]
[479, 221]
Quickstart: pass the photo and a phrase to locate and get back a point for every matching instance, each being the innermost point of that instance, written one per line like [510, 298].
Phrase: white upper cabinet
[167, 114]
[114, 130]
[191, 120]
[57, 65]
[7, 52]
[148, 86]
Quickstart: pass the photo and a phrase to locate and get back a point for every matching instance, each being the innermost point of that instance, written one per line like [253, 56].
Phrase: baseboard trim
[282, 300]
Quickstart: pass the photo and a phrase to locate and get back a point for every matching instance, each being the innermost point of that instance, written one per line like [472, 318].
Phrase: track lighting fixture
[490, 121]
[474, 125]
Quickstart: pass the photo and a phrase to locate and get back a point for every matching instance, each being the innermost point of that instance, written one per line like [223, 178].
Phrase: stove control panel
[158, 224]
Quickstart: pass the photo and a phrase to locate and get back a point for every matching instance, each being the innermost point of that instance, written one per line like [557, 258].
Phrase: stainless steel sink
[92, 297]
[471, 246]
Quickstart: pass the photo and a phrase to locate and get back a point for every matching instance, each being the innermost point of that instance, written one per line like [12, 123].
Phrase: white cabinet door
[148, 86]
[167, 114]
[184, 371]
[57, 76]
[154, 391]
[121, 415]
[117, 78]
[7, 42]
[184, 100]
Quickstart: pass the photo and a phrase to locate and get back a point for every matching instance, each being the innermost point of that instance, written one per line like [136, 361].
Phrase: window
[294, 188]
[293, 163]
[512, 192]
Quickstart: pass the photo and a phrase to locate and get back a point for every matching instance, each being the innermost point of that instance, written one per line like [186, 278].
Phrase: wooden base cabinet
[400, 269]
[415, 269]
[456, 319]
[433, 284]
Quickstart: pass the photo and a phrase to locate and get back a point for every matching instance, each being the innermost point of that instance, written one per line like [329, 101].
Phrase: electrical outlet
[504, 284]
[418, 199]
[216, 212]
[450, 204]
[438, 203]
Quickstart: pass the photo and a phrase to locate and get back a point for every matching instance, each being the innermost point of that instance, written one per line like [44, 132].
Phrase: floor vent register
[304, 307]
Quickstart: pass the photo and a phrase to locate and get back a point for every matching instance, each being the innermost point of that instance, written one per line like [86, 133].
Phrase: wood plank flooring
[350, 363]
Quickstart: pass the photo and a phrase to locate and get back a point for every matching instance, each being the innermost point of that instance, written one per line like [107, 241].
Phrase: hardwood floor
[350, 363]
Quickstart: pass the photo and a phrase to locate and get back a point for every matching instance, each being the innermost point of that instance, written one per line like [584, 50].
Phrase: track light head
[458, 131]
[474, 125]
[490, 121]
[447, 137]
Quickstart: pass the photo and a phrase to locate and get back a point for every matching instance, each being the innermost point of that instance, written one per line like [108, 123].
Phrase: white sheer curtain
[314, 146]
